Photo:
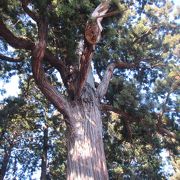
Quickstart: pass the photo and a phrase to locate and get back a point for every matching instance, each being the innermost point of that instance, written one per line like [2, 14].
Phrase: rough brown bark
[28, 44]
[44, 85]
[92, 36]
[86, 158]
[28, 11]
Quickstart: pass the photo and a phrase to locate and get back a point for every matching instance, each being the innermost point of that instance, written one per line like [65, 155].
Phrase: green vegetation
[140, 111]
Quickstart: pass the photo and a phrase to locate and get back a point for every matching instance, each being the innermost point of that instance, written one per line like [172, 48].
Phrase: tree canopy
[139, 50]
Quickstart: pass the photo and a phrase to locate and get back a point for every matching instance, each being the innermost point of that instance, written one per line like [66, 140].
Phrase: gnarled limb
[27, 44]
[103, 86]
[14, 41]
[92, 36]
[10, 59]
[39, 75]
[93, 27]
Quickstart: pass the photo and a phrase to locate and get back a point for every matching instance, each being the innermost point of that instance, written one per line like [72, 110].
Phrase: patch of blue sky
[11, 88]
[166, 168]
[176, 2]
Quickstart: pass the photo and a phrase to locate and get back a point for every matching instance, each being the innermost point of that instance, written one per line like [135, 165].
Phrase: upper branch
[27, 44]
[39, 75]
[16, 42]
[28, 11]
[103, 86]
[10, 59]
[92, 36]
[145, 34]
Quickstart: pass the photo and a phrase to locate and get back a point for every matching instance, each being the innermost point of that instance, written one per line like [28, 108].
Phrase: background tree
[138, 48]
[29, 133]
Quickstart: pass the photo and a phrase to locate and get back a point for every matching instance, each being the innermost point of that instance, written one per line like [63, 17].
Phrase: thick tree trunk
[86, 158]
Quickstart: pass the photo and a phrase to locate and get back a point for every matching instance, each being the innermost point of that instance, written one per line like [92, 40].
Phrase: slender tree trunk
[44, 155]
[5, 162]
[86, 158]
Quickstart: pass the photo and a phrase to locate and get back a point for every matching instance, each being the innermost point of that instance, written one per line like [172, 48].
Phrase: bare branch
[39, 75]
[10, 59]
[14, 41]
[28, 11]
[103, 86]
[93, 27]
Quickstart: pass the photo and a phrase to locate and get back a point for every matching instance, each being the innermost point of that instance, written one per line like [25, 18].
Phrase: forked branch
[103, 86]
[27, 44]
[106, 107]
[14, 41]
[92, 36]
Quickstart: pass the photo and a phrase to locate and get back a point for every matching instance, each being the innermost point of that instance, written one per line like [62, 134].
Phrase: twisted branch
[92, 36]
[39, 75]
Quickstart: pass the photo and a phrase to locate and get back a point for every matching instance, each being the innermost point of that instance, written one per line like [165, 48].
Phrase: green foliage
[146, 33]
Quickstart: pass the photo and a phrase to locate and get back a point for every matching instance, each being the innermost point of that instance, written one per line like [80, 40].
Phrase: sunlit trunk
[86, 158]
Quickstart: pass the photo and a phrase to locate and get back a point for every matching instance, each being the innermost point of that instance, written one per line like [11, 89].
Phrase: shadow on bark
[86, 159]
